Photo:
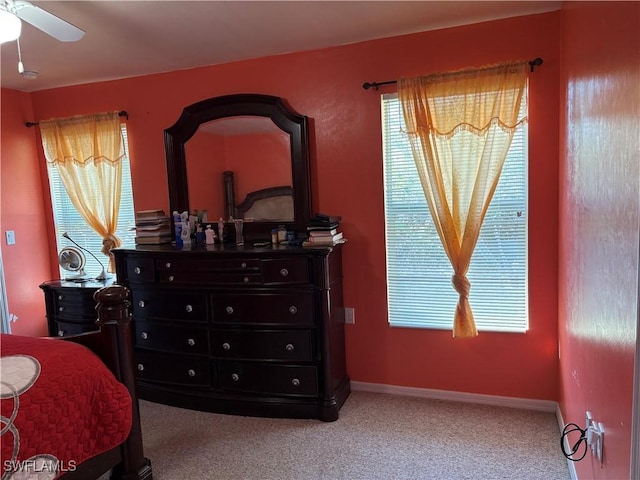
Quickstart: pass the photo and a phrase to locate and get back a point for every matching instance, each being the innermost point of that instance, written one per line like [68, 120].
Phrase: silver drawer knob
[171, 278]
[229, 310]
[293, 309]
[226, 346]
[235, 377]
[192, 373]
[295, 382]
[243, 265]
[140, 367]
[245, 279]
[137, 270]
[191, 342]
[60, 297]
[289, 347]
[189, 308]
[141, 303]
[61, 309]
[61, 333]
[284, 272]
[168, 264]
[144, 335]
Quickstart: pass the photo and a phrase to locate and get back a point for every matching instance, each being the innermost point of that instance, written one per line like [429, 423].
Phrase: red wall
[345, 140]
[26, 264]
[204, 174]
[600, 221]
[259, 161]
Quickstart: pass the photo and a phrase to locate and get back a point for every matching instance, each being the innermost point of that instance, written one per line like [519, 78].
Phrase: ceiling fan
[12, 12]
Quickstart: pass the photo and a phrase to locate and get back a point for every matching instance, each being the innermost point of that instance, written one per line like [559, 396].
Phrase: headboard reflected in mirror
[266, 204]
[194, 173]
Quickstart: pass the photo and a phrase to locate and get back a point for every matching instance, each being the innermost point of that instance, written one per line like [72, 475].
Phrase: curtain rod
[367, 85]
[121, 113]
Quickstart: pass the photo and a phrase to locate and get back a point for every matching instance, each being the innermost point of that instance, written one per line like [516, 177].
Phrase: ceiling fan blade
[47, 22]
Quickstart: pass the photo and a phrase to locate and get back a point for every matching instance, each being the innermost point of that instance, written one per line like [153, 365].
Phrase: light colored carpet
[377, 437]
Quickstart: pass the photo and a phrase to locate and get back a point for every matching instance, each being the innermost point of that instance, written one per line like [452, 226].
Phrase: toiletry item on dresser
[210, 235]
[200, 237]
[221, 230]
[238, 223]
[177, 224]
[274, 236]
[282, 234]
[186, 233]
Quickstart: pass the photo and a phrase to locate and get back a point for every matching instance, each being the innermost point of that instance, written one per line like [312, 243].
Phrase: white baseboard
[512, 402]
[567, 447]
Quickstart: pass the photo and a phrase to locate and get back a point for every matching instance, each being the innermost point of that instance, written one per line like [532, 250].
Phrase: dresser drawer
[64, 329]
[177, 264]
[268, 379]
[264, 308]
[169, 304]
[210, 277]
[74, 302]
[167, 368]
[285, 270]
[293, 345]
[172, 338]
[211, 271]
[140, 270]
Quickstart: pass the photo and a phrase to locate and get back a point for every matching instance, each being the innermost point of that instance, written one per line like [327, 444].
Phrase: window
[67, 219]
[419, 289]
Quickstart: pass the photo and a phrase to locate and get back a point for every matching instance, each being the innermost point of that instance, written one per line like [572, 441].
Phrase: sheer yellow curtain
[88, 151]
[460, 126]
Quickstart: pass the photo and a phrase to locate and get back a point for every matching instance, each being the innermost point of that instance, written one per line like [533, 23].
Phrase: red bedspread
[60, 406]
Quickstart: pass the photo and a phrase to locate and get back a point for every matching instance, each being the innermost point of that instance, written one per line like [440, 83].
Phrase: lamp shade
[10, 26]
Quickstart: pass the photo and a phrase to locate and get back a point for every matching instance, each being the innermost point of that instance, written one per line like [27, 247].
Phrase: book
[321, 217]
[323, 232]
[326, 226]
[307, 243]
[147, 214]
[154, 232]
[325, 239]
[154, 240]
[323, 221]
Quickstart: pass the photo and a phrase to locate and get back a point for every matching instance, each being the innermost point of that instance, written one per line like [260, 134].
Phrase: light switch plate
[11, 237]
[349, 315]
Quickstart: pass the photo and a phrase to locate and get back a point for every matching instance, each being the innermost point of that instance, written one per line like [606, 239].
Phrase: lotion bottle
[210, 235]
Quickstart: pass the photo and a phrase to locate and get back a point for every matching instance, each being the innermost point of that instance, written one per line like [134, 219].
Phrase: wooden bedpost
[114, 320]
[228, 190]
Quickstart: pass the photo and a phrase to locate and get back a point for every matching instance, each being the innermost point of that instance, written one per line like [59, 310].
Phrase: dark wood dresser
[70, 306]
[239, 330]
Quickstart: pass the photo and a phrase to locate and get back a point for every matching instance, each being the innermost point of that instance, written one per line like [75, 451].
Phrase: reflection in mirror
[204, 133]
[255, 149]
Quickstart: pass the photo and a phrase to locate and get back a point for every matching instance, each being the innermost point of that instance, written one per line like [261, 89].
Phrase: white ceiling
[132, 38]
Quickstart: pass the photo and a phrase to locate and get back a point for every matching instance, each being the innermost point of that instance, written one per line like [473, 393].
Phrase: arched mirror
[244, 156]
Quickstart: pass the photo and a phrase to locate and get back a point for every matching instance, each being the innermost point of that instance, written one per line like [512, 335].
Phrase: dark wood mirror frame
[214, 108]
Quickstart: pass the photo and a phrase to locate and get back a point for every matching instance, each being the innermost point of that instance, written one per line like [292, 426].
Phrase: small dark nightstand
[70, 306]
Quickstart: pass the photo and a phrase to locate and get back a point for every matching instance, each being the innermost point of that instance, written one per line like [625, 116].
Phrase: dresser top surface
[231, 249]
[89, 283]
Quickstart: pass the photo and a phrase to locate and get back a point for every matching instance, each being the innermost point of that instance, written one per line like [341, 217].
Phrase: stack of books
[324, 230]
[153, 227]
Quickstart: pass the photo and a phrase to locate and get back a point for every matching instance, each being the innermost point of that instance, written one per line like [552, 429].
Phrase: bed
[272, 203]
[69, 405]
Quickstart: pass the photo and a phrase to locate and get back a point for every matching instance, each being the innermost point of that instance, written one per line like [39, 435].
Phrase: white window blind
[67, 219]
[419, 289]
